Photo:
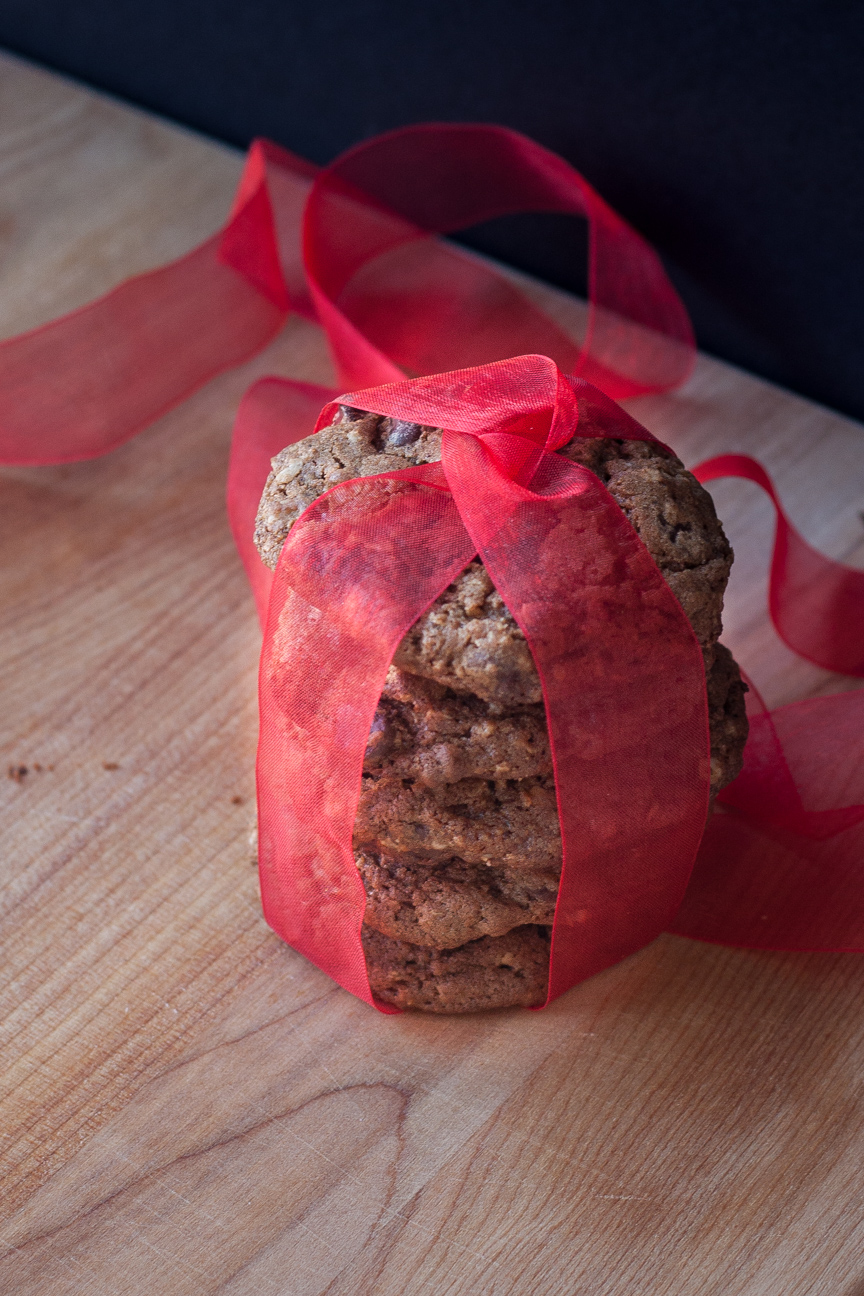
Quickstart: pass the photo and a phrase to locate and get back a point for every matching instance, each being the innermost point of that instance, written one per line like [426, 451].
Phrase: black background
[729, 133]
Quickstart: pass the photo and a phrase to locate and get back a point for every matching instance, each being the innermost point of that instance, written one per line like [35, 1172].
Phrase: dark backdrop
[729, 133]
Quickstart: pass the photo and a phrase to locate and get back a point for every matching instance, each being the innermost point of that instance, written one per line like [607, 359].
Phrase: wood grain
[188, 1106]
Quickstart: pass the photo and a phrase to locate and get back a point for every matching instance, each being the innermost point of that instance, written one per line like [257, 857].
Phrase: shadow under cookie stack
[456, 837]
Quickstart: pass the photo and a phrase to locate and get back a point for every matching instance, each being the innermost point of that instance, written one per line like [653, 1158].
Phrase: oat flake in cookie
[456, 837]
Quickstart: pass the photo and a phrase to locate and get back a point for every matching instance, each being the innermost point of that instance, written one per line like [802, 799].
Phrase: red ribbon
[782, 867]
[781, 864]
[817, 606]
[369, 557]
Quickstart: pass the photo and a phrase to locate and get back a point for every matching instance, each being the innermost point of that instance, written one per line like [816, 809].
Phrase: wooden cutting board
[188, 1106]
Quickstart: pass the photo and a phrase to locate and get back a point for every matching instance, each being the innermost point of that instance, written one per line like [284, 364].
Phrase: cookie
[432, 735]
[467, 640]
[444, 904]
[493, 972]
[428, 733]
[358, 445]
[425, 731]
[512, 822]
[674, 518]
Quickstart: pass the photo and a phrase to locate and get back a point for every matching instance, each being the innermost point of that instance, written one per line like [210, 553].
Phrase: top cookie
[467, 640]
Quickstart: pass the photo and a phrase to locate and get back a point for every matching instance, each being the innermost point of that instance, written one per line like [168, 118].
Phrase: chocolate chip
[402, 434]
[380, 739]
[350, 414]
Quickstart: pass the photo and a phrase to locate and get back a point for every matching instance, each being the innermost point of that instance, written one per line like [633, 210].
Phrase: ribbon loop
[816, 604]
[369, 252]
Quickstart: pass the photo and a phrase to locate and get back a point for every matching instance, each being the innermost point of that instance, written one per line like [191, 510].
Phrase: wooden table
[189, 1106]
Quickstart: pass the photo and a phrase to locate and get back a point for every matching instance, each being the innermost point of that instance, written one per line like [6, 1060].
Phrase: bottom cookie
[494, 972]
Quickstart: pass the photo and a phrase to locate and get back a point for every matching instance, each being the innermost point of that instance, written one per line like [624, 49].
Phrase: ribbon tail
[85, 383]
[781, 865]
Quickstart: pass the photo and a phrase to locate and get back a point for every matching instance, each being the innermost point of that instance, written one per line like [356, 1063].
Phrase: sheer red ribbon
[355, 248]
[369, 557]
[781, 864]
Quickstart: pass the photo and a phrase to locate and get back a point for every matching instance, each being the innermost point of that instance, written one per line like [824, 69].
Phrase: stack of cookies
[457, 837]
